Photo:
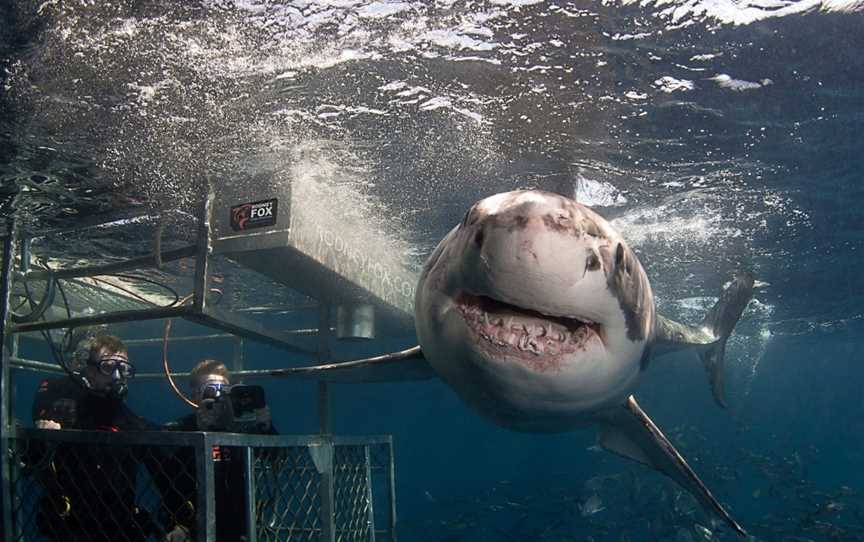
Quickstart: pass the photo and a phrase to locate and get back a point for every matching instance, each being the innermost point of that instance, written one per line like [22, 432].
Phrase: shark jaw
[541, 342]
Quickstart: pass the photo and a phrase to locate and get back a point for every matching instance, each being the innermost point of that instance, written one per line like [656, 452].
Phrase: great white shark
[539, 315]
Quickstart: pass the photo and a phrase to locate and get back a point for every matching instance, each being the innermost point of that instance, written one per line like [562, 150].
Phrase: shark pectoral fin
[711, 336]
[408, 364]
[629, 432]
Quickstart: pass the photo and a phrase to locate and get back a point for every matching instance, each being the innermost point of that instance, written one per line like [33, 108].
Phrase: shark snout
[533, 267]
[531, 251]
[535, 250]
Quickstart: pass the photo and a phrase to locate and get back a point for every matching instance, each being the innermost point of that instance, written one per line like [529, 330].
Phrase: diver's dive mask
[111, 363]
[117, 366]
[213, 389]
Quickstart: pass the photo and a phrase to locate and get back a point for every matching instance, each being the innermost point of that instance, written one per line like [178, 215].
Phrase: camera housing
[235, 409]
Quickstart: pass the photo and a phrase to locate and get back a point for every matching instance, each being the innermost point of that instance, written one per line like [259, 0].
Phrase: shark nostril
[478, 239]
[592, 263]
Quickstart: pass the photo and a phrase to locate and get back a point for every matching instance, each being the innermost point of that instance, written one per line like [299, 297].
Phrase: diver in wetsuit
[90, 491]
[210, 385]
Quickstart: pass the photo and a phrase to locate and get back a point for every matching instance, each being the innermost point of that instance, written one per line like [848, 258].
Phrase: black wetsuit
[90, 491]
[230, 492]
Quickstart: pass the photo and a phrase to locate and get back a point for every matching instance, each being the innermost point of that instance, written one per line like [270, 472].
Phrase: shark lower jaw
[542, 342]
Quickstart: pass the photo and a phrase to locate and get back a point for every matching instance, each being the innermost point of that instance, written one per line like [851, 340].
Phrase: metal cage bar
[8, 261]
[324, 402]
[392, 486]
[249, 487]
[369, 496]
[206, 494]
[107, 318]
[127, 265]
[326, 491]
[202, 259]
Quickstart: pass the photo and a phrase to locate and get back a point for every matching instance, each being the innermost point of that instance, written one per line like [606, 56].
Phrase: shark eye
[620, 261]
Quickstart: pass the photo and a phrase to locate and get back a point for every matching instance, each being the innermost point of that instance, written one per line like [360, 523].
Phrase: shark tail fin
[720, 321]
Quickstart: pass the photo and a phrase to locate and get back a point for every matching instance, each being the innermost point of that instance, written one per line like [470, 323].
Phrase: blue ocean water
[714, 135]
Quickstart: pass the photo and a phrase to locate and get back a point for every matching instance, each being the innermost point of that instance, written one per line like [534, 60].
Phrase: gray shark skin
[537, 313]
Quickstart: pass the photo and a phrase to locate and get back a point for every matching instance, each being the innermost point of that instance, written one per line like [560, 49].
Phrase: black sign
[256, 214]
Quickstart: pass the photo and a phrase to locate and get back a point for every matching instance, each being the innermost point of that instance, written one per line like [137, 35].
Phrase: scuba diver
[95, 399]
[218, 410]
[90, 491]
[210, 383]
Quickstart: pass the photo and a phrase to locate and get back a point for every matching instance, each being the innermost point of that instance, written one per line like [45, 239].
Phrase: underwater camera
[236, 409]
[65, 412]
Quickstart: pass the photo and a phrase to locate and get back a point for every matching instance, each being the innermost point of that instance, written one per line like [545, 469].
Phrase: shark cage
[271, 270]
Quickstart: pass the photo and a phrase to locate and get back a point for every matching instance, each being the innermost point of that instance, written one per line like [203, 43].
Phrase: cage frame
[229, 327]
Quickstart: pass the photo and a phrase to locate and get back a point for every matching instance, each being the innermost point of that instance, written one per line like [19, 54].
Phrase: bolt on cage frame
[323, 448]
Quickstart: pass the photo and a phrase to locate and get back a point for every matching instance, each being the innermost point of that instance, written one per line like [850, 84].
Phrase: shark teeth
[530, 333]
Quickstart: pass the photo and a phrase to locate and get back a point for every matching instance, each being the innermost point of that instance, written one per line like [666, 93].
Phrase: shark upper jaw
[510, 332]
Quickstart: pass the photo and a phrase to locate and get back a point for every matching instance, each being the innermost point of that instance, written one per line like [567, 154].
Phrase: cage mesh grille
[76, 491]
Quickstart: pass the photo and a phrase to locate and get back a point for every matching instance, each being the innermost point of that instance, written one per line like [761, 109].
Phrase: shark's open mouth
[524, 331]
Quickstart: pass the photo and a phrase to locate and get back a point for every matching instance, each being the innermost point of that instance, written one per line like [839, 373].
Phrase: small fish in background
[703, 533]
[591, 506]
[833, 506]
[846, 491]
[594, 483]
[683, 503]
[831, 531]
[601, 481]
[683, 535]
[429, 496]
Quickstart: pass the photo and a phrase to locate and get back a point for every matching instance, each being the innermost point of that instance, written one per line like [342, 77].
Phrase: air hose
[165, 366]
[37, 310]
